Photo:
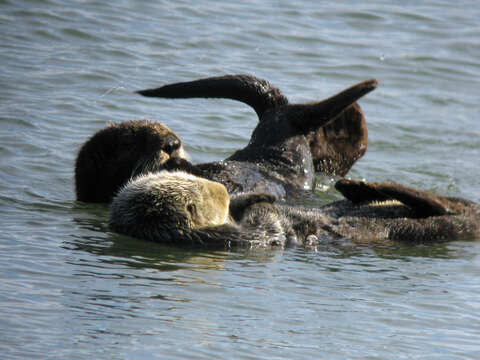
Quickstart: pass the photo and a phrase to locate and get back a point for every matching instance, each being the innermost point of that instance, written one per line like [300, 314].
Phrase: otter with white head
[158, 205]
[182, 209]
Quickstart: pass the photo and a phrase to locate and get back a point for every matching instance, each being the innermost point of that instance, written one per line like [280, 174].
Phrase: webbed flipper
[257, 93]
[338, 145]
[359, 191]
[423, 203]
[311, 116]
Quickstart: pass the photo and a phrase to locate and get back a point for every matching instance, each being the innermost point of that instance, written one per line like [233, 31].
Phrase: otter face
[116, 153]
[156, 205]
[209, 202]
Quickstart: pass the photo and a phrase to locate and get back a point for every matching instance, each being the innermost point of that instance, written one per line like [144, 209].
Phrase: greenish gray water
[72, 290]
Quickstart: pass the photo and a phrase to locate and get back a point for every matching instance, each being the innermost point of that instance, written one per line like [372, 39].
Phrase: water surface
[72, 290]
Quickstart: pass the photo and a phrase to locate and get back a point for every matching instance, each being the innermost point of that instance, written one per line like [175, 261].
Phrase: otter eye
[172, 143]
[191, 209]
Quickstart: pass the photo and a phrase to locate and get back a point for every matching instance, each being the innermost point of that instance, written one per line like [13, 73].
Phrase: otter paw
[240, 203]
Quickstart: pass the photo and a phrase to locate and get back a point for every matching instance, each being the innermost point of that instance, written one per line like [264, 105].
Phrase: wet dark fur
[278, 159]
[377, 222]
[338, 145]
[386, 212]
[291, 141]
[116, 153]
[418, 216]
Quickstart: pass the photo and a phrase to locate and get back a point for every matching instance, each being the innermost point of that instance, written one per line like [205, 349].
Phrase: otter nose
[172, 143]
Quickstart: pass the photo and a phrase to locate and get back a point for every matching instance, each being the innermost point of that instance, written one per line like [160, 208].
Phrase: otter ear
[239, 203]
[257, 93]
[308, 117]
[423, 203]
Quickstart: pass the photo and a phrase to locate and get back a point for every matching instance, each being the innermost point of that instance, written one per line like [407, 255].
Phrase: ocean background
[70, 289]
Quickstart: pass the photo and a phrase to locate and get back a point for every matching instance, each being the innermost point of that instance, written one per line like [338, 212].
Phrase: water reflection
[119, 249]
[135, 253]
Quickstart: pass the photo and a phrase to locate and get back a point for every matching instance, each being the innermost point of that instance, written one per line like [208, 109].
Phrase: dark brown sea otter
[181, 209]
[117, 153]
[386, 211]
[290, 142]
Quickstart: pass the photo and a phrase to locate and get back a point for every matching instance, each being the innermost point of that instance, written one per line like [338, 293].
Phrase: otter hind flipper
[307, 117]
[338, 145]
[257, 93]
[360, 191]
[423, 203]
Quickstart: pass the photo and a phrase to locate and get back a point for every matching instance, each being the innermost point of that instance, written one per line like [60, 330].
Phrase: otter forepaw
[180, 164]
[239, 203]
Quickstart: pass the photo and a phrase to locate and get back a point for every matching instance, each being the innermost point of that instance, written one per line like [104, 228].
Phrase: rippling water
[72, 290]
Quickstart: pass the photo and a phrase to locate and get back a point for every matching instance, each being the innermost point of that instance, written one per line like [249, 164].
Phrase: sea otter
[120, 151]
[290, 142]
[182, 209]
[386, 211]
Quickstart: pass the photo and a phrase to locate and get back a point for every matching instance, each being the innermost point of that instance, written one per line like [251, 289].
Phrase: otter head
[328, 135]
[156, 206]
[120, 151]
